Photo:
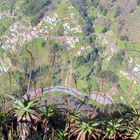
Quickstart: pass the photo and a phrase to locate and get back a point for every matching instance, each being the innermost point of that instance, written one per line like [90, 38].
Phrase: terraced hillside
[91, 46]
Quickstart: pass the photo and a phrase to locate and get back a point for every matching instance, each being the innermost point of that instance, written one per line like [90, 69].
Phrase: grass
[98, 28]
[45, 24]
[5, 22]
[3, 7]
[105, 64]
[1, 52]
[40, 51]
[123, 83]
[61, 10]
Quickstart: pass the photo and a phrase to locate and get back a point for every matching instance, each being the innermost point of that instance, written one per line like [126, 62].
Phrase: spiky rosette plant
[86, 129]
[26, 110]
[53, 116]
[136, 133]
[26, 113]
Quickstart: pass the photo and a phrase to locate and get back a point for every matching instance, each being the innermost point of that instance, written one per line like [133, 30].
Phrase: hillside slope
[93, 46]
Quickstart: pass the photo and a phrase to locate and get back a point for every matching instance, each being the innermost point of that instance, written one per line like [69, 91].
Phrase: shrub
[124, 38]
[105, 29]
[117, 11]
[138, 2]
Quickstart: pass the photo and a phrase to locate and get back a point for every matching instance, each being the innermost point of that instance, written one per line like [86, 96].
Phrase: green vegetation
[90, 46]
[117, 11]
[138, 2]
[4, 24]
[3, 7]
[30, 120]
[35, 9]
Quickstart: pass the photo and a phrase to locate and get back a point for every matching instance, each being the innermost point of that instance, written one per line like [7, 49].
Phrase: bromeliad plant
[30, 117]
[113, 128]
[136, 133]
[62, 134]
[53, 116]
[26, 114]
[26, 110]
[32, 120]
[86, 129]
[136, 116]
